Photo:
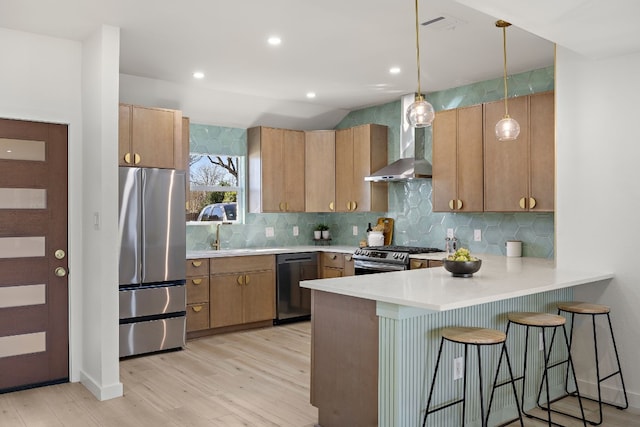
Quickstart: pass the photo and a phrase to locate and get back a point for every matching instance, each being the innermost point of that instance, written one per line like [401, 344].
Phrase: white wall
[41, 79]
[598, 194]
[100, 75]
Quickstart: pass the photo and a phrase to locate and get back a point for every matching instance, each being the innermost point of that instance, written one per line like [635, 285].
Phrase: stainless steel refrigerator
[152, 233]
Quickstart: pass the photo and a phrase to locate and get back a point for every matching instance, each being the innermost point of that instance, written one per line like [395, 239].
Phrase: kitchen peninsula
[375, 337]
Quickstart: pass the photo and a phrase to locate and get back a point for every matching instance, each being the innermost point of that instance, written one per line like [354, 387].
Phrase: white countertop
[435, 289]
[268, 251]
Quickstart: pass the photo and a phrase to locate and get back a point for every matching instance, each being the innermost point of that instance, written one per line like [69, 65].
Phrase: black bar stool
[544, 321]
[476, 337]
[593, 310]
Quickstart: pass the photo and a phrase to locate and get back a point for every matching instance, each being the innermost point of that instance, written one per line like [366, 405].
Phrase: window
[216, 188]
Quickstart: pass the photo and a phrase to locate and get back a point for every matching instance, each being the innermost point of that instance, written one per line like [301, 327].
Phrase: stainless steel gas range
[380, 259]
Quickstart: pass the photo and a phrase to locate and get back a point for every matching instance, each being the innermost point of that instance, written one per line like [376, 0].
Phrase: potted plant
[321, 231]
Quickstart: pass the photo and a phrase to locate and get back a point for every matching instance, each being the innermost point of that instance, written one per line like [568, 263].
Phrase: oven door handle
[378, 266]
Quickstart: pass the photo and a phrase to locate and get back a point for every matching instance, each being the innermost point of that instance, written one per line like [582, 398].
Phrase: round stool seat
[474, 335]
[583, 308]
[536, 319]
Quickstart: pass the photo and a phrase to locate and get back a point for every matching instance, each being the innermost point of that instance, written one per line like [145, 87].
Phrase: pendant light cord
[419, 95]
[504, 51]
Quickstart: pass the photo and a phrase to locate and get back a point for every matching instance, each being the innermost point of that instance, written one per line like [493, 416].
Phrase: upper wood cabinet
[359, 152]
[276, 170]
[457, 160]
[519, 175]
[320, 170]
[150, 137]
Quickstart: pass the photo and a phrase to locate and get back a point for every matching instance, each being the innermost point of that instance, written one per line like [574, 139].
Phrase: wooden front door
[34, 337]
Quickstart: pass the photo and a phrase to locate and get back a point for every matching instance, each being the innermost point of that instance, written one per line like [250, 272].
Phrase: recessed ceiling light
[394, 70]
[311, 95]
[274, 40]
[198, 75]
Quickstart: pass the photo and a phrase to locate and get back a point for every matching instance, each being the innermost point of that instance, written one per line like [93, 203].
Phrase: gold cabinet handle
[348, 206]
[196, 308]
[333, 256]
[532, 203]
[127, 158]
[523, 203]
[286, 206]
[348, 258]
[331, 206]
[196, 263]
[136, 159]
[247, 279]
[196, 281]
[355, 206]
[459, 204]
[240, 280]
[451, 204]
[60, 272]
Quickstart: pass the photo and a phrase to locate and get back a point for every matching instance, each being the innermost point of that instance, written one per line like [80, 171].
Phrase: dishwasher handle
[295, 258]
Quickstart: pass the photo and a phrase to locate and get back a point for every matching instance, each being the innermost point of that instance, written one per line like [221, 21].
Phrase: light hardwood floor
[252, 378]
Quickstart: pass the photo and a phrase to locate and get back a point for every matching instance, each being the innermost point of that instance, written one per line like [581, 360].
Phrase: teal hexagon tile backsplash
[409, 202]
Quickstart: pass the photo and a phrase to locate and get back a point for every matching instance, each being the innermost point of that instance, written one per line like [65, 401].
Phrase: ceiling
[341, 50]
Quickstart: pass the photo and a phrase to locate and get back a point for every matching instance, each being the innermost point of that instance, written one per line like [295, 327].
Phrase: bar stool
[476, 337]
[593, 310]
[544, 321]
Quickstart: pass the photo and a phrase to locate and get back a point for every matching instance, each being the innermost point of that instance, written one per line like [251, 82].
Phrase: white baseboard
[101, 392]
[609, 393]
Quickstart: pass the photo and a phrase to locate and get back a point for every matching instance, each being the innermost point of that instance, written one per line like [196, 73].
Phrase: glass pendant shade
[507, 129]
[420, 114]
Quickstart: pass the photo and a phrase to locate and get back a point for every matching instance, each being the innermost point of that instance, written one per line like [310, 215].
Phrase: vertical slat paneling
[409, 349]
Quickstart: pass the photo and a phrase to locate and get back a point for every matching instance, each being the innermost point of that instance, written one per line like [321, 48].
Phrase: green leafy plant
[322, 227]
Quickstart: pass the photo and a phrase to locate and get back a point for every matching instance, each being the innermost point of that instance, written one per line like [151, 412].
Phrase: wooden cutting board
[388, 229]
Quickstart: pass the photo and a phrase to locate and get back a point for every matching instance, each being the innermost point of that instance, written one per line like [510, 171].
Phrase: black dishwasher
[293, 303]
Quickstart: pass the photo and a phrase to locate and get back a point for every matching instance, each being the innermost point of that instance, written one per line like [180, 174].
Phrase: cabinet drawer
[197, 289]
[334, 260]
[242, 264]
[198, 267]
[415, 264]
[424, 263]
[197, 317]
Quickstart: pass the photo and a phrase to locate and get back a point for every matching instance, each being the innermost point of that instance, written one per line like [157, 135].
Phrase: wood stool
[594, 310]
[544, 321]
[476, 337]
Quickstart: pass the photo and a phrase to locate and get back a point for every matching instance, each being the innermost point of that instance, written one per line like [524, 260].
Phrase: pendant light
[419, 114]
[508, 128]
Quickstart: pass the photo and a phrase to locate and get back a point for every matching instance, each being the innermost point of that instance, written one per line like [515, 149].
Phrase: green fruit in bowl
[462, 254]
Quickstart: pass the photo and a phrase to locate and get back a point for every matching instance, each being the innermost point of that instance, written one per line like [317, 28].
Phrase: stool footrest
[445, 406]
[566, 414]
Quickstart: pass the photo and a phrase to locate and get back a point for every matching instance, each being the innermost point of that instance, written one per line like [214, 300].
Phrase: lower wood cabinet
[197, 294]
[242, 290]
[333, 264]
[415, 264]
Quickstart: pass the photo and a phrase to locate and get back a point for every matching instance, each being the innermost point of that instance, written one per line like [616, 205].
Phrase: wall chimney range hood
[412, 163]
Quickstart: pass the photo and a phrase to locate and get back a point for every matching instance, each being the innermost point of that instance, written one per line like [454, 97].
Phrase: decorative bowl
[462, 268]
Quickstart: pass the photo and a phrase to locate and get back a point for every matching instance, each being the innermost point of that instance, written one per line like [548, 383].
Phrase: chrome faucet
[216, 244]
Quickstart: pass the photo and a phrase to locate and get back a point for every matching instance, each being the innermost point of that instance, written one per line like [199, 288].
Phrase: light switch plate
[355, 230]
[268, 231]
[296, 230]
[477, 235]
[450, 233]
